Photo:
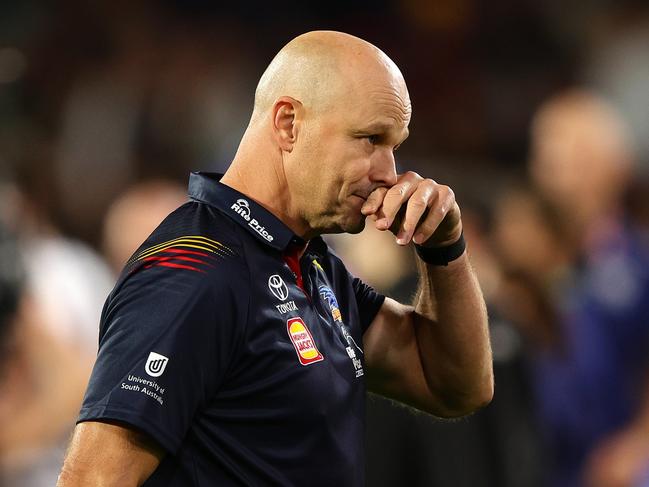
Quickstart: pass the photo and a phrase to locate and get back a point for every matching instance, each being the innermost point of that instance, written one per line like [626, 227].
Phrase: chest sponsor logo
[286, 307]
[242, 208]
[305, 347]
[156, 364]
[278, 287]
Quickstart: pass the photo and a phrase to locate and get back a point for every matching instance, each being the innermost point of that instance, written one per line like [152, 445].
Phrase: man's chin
[354, 227]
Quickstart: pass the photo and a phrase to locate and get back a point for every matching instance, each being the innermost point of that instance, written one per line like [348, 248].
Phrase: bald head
[316, 68]
[330, 110]
[580, 148]
[593, 125]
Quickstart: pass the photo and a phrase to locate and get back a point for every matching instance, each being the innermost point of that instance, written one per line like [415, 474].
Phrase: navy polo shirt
[243, 361]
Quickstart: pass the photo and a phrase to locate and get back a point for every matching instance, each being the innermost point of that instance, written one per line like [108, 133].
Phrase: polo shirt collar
[261, 223]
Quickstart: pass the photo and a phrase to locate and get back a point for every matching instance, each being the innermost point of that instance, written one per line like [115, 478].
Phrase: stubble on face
[334, 166]
[353, 156]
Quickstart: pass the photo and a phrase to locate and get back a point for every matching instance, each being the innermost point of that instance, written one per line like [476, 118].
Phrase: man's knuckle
[419, 202]
[446, 192]
[373, 198]
[426, 227]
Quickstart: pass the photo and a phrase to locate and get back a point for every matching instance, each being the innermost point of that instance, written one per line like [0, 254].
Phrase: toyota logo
[278, 287]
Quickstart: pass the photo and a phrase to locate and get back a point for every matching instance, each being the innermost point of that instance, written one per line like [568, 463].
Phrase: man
[581, 147]
[235, 347]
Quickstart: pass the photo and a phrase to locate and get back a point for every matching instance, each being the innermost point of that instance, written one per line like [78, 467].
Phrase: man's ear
[285, 128]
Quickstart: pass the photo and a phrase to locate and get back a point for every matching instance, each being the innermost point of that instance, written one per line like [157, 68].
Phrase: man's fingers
[415, 209]
[396, 196]
[374, 201]
[444, 210]
[420, 201]
[427, 227]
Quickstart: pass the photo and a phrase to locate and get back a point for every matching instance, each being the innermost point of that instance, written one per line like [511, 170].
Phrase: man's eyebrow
[381, 128]
[376, 127]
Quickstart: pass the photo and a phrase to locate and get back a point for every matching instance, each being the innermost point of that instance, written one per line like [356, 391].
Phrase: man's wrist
[442, 255]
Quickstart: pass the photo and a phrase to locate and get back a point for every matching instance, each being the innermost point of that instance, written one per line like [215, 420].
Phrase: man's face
[578, 158]
[345, 153]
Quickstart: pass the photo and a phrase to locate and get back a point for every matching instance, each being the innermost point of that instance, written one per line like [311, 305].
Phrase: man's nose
[383, 169]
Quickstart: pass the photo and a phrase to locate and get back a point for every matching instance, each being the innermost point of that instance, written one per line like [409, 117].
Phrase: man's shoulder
[196, 218]
[190, 265]
[195, 238]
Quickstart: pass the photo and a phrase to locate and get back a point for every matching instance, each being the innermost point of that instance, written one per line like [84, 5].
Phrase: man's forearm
[452, 335]
[109, 454]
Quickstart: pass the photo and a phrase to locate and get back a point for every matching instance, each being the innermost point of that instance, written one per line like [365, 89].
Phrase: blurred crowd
[536, 113]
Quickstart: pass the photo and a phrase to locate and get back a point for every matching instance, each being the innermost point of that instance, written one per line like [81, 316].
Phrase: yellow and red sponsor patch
[305, 347]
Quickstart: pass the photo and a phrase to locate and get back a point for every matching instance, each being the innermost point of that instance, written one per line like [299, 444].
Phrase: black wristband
[442, 255]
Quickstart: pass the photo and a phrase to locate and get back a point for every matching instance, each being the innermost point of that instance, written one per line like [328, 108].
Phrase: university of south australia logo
[156, 364]
[278, 287]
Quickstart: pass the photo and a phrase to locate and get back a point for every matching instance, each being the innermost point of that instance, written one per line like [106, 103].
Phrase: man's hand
[416, 209]
[434, 355]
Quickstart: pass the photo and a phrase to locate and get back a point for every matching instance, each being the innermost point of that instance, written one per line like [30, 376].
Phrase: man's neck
[266, 184]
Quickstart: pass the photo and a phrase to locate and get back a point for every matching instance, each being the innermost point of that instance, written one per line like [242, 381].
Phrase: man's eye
[372, 139]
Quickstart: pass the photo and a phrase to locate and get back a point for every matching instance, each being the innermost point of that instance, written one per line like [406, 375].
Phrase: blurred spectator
[537, 258]
[582, 160]
[591, 272]
[134, 215]
[53, 346]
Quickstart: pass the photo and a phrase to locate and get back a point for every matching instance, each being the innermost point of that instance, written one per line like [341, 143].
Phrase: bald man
[580, 148]
[582, 162]
[236, 349]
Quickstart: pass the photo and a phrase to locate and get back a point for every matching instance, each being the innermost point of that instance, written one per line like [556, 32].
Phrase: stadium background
[106, 105]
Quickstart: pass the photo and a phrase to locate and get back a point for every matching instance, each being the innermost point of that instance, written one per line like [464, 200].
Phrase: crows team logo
[305, 347]
[330, 298]
[156, 364]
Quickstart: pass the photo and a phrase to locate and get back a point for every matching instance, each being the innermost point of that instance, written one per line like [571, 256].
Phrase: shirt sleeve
[368, 300]
[167, 338]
